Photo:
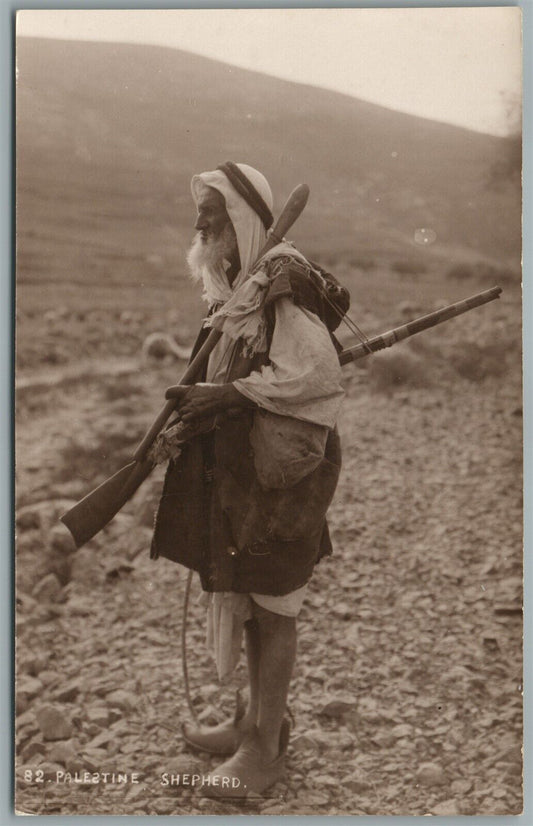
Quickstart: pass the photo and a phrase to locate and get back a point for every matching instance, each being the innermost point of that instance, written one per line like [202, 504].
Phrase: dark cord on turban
[247, 190]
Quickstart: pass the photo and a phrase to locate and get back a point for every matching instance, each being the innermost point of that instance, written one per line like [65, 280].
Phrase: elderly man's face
[212, 215]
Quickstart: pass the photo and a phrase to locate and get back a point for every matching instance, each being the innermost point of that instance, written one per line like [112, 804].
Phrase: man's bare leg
[226, 737]
[271, 651]
[253, 651]
[259, 762]
[277, 654]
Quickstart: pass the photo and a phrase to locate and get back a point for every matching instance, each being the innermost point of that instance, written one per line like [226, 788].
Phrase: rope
[184, 647]
[186, 598]
[344, 317]
[350, 323]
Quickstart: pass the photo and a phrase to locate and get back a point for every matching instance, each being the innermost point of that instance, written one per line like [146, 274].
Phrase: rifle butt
[98, 508]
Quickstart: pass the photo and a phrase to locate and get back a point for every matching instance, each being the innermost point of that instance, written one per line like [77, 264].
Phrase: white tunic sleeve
[303, 377]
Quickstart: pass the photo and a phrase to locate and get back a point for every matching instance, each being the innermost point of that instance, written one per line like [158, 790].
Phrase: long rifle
[94, 511]
[372, 345]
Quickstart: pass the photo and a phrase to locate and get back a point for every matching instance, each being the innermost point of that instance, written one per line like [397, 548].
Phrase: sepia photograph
[268, 412]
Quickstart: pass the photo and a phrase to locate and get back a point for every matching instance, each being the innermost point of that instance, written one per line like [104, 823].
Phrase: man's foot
[247, 771]
[222, 739]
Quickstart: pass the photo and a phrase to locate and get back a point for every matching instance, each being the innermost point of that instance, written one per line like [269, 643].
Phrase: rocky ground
[407, 694]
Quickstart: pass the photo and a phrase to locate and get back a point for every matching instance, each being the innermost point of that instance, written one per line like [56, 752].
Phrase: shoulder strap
[309, 286]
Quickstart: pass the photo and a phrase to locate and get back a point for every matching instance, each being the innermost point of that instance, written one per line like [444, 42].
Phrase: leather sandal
[222, 739]
[247, 771]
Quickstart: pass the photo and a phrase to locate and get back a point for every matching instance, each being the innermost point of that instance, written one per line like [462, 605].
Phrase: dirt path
[407, 692]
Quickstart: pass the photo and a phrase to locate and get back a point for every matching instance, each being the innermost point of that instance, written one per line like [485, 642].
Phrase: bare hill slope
[109, 134]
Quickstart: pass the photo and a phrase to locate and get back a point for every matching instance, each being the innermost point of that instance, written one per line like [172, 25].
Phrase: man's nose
[201, 222]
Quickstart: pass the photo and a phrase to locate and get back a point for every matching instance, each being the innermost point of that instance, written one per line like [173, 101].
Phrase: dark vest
[216, 518]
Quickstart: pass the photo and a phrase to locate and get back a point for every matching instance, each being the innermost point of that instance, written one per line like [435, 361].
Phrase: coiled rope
[184, 646]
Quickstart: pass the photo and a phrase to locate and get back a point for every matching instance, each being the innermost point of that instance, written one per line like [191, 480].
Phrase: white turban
[249, 229]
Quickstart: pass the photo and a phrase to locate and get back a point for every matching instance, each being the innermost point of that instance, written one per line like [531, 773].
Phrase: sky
[459, 65]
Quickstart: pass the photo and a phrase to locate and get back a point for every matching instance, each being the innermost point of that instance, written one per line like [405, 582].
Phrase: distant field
[60, 322]
[78, 296]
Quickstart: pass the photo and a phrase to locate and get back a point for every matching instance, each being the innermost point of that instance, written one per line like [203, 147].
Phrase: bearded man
[258, 458]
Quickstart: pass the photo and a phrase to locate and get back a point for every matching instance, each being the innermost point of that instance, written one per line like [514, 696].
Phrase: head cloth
[249, 227]
[247, 190]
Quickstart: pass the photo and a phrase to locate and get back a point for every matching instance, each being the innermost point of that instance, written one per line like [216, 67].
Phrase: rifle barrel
[417, 325]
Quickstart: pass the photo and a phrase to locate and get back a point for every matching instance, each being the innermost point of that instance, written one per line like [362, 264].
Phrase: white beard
[206, 263]
[207, 256]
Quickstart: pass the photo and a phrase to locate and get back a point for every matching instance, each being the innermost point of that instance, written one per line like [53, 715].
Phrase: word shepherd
[200, 780]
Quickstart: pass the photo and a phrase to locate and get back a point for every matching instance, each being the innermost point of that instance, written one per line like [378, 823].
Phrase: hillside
[108, 136]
